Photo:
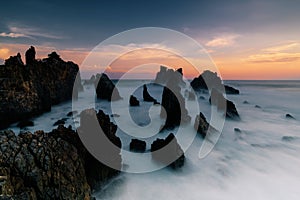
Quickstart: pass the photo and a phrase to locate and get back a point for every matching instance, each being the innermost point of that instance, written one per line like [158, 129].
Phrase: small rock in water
[237, 130]
[71, 113]
[137, 145]
[115, 115]
[59, 122]
[287, 138]
[257, 106]
[25, 123]
[245, 102]
[289, 116]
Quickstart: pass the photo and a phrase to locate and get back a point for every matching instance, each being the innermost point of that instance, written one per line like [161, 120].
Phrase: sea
[257, 157]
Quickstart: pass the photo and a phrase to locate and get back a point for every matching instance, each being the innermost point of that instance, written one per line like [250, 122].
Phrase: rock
[237, 130]
[174, 105]
[106, 89]
[53, 165]
[163, 76]
[223, 104]
[168, 151]
[115, 115]
[14, 61]
[30, 56]
[59, 122]
[231, 90]
[25, 123]
[24, 93]
[147, 97]
[202, 126]
[90, 81]
[288, 138]
[137, 145]
[289, 116]
[245, 102]
[72, 113]
[257, 106]
[133, 101]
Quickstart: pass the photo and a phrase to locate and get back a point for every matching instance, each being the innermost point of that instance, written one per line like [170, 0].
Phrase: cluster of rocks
[105, 88]
[31, 89]
[165, 74]
[53, 165]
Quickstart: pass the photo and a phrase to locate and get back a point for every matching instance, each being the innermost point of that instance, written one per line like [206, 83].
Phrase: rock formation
[105, 88]
[163, 76]
[133, 101]
[30, 56]
[52, 165]
[90, 81]
[137, 145]
[30, 90]
[223, 104]
[147, 97]
[168, 151]
[202, 126]
[211, 79]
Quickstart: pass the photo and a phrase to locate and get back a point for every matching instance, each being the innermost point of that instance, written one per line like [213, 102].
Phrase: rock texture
[105, 88]
[211, 79]
[147, 97]
[223, 104]
[52, 165]
[133, 101]
[137, 145]
[202, 126]
[31, 89]
[168, 151]
[174, 104]
[163, 76]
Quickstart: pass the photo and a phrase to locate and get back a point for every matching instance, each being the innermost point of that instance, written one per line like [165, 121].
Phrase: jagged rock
[163, 76]
[168, 151]
[25, 123]
[106, 89]
[288, 138]
[32, 90]
[90, 81]
[53, 165]
[59, 122]
[237, 130]
[211, 79]
[223, 104]
[133, 101]
[147, 97]
[257, 106]
[202, 126]
[14, 60]
[174, 104]
[30, 56]
[289, 116]
[137, 145]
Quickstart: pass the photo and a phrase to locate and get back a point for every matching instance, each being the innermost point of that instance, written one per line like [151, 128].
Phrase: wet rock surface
[106, 89]
[31, 89]
[53, 165]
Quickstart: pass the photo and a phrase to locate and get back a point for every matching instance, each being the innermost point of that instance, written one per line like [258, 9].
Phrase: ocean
[261, 161]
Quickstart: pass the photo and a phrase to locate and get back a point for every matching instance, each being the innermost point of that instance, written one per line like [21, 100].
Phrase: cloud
[28, 32]
[282, 47]
[273, 57]
[222, 41]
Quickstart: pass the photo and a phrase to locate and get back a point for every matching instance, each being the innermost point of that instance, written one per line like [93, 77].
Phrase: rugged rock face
[133, 101]
[106, 89]
[217, 99]
[137, 145]
[52, 165]
[168, 151]
[163, 76]
[201, 125]
[147, 97]
[173, 104]
[211, 79]
[29, 90]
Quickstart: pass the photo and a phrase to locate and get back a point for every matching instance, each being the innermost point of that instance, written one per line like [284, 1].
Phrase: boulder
[133, 101]
[137, 145]
[106, 89]
[168, 152]
[147, 97]
[289, 116]
[231, 90]
[30, 56]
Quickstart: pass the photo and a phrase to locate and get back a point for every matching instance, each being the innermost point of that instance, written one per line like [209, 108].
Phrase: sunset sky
[256, 39]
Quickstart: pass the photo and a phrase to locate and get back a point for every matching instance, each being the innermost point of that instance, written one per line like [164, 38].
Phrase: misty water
[259, 162]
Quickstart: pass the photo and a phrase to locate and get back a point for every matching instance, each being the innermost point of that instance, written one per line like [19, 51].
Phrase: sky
[246, 40]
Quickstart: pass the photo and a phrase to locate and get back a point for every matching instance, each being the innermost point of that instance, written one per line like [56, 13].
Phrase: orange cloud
[222, 41]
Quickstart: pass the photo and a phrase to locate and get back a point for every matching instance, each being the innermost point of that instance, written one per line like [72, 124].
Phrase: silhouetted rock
[223, 104]
[257, 106]
[59, 122]
[31, 90]
[54, 165]
[106, 89]
[30, 56]
[163, 76]
[147, 97]
[25, 123]
[133, 101]
[245, 102]
[137, 145]
[168, 151]
[288, 138]
[237, 130]
[231, 90]
[202, 126]
[289, 116]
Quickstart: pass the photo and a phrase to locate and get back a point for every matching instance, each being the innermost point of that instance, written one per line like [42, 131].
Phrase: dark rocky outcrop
[137, 145]
[245, 102]
[53, 165]
[72, 113]
[289, 116]
[25, 123]
[223, 104]
[257, 106]
[59, 122]
[168, 151]
[237, 130]
[30, 90]
[106, 89]
[163, 76]
[208, 80]
[174, 105]
[133, 101]
[30, 56]
[201, 125]
[147, 97]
